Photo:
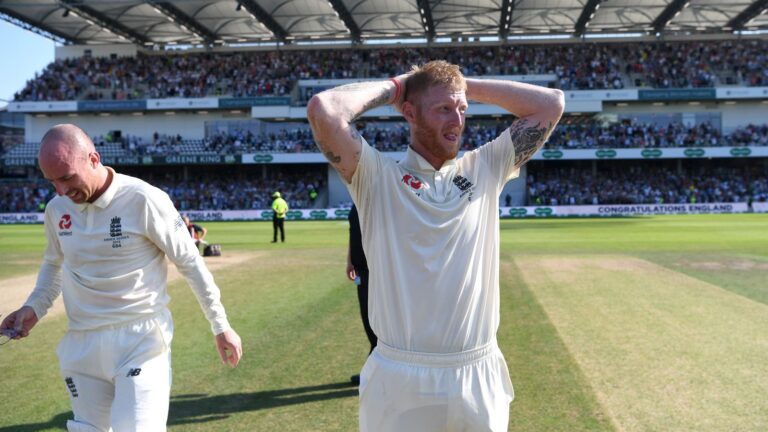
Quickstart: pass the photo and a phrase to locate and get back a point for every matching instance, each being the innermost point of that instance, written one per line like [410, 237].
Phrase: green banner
[543, 211]
[318, 214]
[694, 152]
[606, 154]
[651, 153]
[196, 159]
[341, 213]
[19, 161]
[741, 151]
[127, 160]
[253, 101]
[263, 158]
[518, 212]
[676, 94]
[112, 105]
[552, 154]
[267, 214]
[294, 214]
[171, 160]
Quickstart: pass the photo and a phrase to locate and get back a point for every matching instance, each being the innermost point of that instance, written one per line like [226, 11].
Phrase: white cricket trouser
[119, 377]
[403, 391]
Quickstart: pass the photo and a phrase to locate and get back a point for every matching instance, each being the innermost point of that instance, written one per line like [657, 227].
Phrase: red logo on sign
[412, 181]
[65, 222]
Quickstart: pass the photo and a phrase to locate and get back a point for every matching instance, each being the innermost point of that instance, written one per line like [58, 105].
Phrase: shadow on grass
[59, 421]
[200, 408]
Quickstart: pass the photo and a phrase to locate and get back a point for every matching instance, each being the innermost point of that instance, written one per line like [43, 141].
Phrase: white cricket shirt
[431, 238]
[108, 258]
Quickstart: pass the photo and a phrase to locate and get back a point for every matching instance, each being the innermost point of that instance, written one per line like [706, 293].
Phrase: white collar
[416, 162]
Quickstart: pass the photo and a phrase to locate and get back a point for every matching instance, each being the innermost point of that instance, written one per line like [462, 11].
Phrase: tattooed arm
[538, 110]
[331, 115]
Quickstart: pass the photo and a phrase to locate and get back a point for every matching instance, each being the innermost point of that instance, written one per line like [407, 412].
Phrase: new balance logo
[133, 372]
[71, 386]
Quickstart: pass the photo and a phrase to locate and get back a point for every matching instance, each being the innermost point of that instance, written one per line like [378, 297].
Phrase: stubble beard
[431, 140]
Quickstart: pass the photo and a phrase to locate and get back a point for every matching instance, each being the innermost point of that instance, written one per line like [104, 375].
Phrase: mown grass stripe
[741, 274]
[663, 351]
[551, 392]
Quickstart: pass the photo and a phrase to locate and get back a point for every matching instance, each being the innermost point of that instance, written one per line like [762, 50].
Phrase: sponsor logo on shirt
[465, 186]
[414, 184]
[412, 181]
[116, 232]
[65, 223]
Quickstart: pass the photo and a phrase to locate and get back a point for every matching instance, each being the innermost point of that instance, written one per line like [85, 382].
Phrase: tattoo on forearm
[527, 139]
[380, 99]
[356, 86]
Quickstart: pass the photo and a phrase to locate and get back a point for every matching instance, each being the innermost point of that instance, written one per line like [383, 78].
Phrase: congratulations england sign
[632, 210]
[504, 212]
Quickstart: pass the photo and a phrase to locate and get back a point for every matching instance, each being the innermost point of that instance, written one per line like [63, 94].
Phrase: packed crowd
[222, 193]
[283, 141]
[24, 196]
[209, 193]
[395, 136]
[633, 134]
[9, 140]
[275, 73]
[644, 185]
[546, 185]
[159, 144]
[592, 134]
[242, 74]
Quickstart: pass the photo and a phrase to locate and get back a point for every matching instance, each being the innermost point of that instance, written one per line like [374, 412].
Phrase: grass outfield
[636, 324]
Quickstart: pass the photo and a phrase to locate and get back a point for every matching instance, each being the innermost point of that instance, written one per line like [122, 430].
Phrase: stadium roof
[227, 22]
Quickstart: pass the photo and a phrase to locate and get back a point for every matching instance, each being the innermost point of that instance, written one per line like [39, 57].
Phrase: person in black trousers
[357, 271]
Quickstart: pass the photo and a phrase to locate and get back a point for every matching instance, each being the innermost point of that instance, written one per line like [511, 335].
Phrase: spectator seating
[643, 183]
[395, 136]
[579, 66]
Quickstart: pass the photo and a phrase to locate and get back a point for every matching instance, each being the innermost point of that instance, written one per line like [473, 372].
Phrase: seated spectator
[582, 66]
[643, 184]
[572, 133]
[207, 192]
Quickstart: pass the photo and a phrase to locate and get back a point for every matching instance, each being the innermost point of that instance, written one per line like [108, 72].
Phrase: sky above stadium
[24, 53]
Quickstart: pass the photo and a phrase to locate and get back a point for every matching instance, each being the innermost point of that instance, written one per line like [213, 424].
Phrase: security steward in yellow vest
[279, 210]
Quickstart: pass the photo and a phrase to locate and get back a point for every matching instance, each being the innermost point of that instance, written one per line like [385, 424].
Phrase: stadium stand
[572, 133]
[581, 133]
[257, 73]
[624, 182]
[159, 112]
[205, 188]
[618, 182]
